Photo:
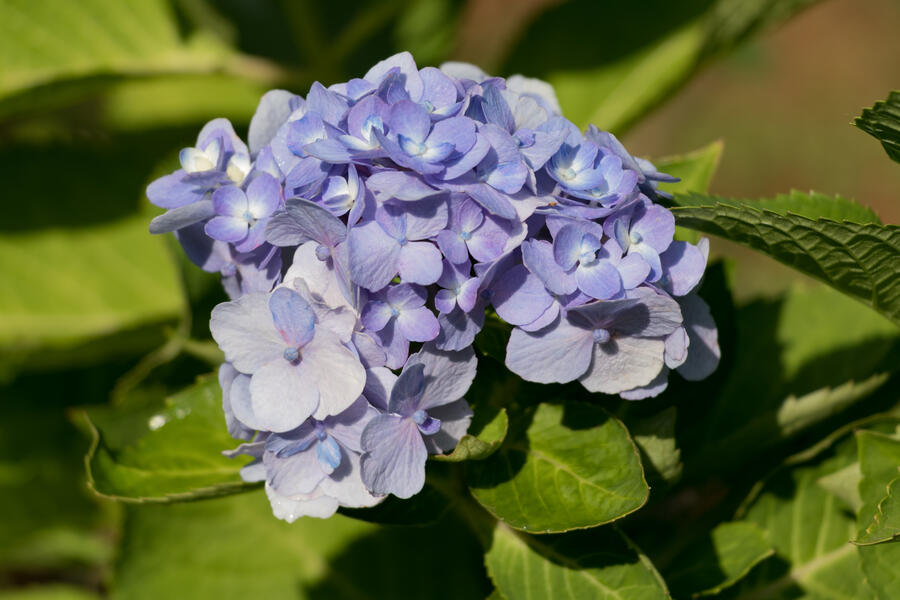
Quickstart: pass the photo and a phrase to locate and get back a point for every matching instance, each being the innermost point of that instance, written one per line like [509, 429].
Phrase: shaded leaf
[879, 462]
[810, 532]
[48, 592]
[655, 436]
[425, 508]
[845, 485]
[164, 450]
[860, 259]
[882, 121]
[718, 561]
[562, 467]
[233, 547]
[598, 563]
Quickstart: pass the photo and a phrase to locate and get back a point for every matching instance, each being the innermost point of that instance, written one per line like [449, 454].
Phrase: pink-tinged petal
[293, 317]
[394, 462]
[557, 354]
[519, 297]
[282, 395]
[538, 258]
[418, 324]
[599, 280]
[624, 363]
[704, 353]
[419, 262]
[455, 419]
[245, 332]
[374, 256]
[322, 358]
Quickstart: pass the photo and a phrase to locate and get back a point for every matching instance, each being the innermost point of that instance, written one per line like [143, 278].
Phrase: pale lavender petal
[704, 353]
[624, 363]
[445, 301]
[399, 185]
[291, 508]
[181, 217]
[375, 315]
[424, 219]
[303, 220]
[405, 63]
[546, 319]
[655, 226]
[458, 329]
[567, 246]
[172, 191]
[263, 195]
[496, 203]
[419, 262]
[348, 426]
[519, 297]
[452, 246]
[599, 280]
[494, 237]
[281, 396]
[274, 108]
[236, 428]
[226, 229]
[405, 296]
[374, 256]
[538, 258]
[394, 462]
[652, 389]
[329, 150]
[448, 375]
[293, 475]
[346, 485]
[468, 294]
[682, 266]
[407, 390]
[456, 131]
[241, 402]
[677, 348]
[379, 383]
[332, 107]
[455, 419]
[324, 356]
[410, 120]
[418, 324]
[245, 332]
[556, 354]
[633, 270]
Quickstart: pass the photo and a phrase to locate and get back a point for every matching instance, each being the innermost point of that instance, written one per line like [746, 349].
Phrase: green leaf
[494, 386]
[857, 258]
[695, 169]
[882, 121]
[845, 485]
[788, 364]
[599, 563]
[655, 437]
[562, 467]
[164, 450]
[810, 531]
[48, 592]
[879, 563]
[879, 461]
[232, 547]
[718, 561]
[52, 54]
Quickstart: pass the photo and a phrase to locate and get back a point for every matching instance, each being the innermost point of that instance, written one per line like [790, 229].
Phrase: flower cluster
[391, 213]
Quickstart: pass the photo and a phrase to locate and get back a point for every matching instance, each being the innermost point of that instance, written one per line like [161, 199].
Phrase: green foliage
[882, 121]
[879, 462]
[562, 467]
[694, 169]
[719, 560]
[233, 548]
[161, 450]
[599, 563]
[858, 257]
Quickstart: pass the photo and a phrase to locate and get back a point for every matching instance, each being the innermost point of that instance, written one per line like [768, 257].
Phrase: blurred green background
[97, 97]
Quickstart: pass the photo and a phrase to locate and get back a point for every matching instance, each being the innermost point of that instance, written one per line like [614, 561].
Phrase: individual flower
[397, 316]
[241, 217]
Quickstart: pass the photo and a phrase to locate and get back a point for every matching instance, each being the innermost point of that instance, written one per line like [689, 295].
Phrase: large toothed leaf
[810, 530]
[718, 561]
[879, 488]
[562, 467]
[232, 548]
[834, 241]
[164, 449]
[882, 121]
[585, 564]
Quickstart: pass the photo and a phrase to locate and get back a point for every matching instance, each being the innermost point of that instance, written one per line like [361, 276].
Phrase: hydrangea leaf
[882, 121]
[655, 437]
[46, 49]
[164, 451]
[694, 169]
[51, 591]
[857, 256]
[810, 531]
[562, 467]
[790, 362]
[845, 485]
[879, 461]
[879, 563]
[719, 560]
[599, 563]
[247, 553]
